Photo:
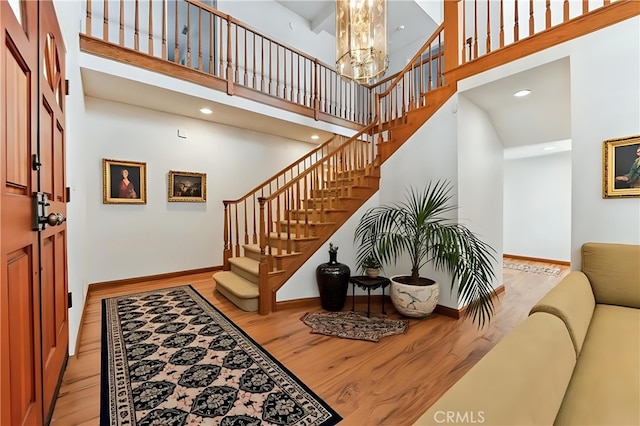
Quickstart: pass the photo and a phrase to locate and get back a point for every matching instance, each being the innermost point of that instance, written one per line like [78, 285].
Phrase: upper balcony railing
[235, 57]
[192, 41]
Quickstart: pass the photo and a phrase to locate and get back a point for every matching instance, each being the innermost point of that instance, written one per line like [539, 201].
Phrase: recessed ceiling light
[205, 110]
[522, 93]
[315, 137]
[400, 28]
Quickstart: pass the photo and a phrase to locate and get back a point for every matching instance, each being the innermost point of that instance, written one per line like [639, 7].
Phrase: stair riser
[301, 230]
[315, 215]
[244, 274]
[275, 243]
[249, 305]
[348, 191]
[252, 255]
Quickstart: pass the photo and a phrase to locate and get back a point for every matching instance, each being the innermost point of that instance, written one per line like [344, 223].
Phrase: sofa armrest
[614, 272]
[572, 301]
[521, 381]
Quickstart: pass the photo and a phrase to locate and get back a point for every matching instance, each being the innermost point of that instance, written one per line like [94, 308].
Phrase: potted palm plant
[419, 227]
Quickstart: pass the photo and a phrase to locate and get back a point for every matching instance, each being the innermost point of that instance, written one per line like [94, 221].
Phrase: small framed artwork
[187, 186]
[621, 167]
[124, 182]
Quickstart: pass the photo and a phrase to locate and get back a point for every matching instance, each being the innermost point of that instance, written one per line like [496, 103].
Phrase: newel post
[264, 301]
[453, 35]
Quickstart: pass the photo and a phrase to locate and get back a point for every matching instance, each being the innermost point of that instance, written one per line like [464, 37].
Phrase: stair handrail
[258, 191]
[357, 152]
[416, 61]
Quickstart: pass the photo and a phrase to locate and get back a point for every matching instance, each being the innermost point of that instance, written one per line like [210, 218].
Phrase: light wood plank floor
[391, 382]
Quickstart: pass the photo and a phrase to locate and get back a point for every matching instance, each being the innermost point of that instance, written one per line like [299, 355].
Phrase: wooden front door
[33, 283]
[53, 244]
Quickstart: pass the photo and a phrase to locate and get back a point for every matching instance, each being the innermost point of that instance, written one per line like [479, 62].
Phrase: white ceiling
[321, 15]
[543, 116]
[114, 88]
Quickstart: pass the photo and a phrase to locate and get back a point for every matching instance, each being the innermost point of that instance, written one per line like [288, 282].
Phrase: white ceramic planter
[414, 301]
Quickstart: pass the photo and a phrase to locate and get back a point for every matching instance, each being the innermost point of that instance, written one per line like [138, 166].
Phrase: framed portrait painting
[621, 167]
[187, 186]
[124, 182]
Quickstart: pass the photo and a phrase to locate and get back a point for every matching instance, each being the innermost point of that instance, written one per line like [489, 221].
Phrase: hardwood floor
[391, 382]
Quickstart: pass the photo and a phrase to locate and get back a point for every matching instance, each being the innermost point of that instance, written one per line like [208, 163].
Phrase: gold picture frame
[621, 167]
[187, 186]
[121, 189]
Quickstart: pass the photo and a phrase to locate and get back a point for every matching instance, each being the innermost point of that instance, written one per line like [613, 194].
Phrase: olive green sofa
[574, 361]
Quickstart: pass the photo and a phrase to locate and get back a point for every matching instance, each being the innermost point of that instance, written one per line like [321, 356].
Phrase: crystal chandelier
[361, 39]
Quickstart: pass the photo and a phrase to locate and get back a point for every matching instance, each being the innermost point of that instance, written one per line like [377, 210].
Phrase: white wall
[77, 222]
[537, 206]
[159, 237]
[480, 178]
[430, 154]
[605, 103]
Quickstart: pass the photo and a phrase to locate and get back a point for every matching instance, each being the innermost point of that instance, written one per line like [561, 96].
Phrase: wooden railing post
[87, 25]
[229, 67]
[316, 82]
[264, 301]
[453, 34]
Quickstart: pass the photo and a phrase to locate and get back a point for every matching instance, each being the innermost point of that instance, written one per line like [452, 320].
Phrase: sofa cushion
[521, 381]
[614, 272]
[572, 301]
[605, 387]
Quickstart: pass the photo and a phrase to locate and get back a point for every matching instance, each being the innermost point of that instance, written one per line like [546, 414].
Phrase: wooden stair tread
[236, 285]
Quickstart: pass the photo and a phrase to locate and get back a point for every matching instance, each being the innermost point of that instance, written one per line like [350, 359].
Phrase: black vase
[333, 283]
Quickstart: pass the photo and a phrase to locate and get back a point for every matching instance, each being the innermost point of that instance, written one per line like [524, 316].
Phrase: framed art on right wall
[621, 167]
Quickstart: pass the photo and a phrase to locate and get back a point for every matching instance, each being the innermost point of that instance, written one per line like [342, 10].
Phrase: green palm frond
[419, 227]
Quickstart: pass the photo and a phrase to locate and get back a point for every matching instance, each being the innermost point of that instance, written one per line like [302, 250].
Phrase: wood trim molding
[108, 285]
[76, 352]
[376, 301]
[459, 313]
[314, 302]
[537, 259]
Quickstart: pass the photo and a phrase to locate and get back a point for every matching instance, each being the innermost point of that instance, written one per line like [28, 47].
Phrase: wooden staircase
[294, 238]
[274, 229]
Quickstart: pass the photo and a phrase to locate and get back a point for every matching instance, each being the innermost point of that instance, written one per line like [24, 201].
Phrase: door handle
[53, 219]
[40, 216]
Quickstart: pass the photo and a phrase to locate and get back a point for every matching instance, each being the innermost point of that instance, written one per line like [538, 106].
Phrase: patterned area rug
[351, 325]
[171, 358]
[531, 268]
